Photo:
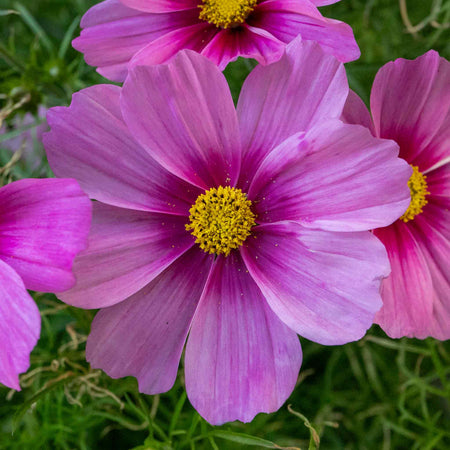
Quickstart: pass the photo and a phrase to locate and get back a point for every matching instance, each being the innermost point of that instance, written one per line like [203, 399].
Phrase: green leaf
[34, 25]
[246, 439]
[68, 37]
[176, 413]
[26, 405]
[314, 442]
[7, 12]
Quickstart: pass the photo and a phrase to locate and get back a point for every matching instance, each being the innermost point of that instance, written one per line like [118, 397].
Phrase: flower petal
[89, 141]
[245, 41]
[336, 177]
[410, 103]
[416, 301]
[144, 335]
[194, 37]
[287, 19]
[160, 6]
[44, 224]
[105, 12]
[183, 114]
[240, 358]
[283, 98]
[20, 326]
[323, 285]
[113, 33]
[126, 250]
[438, 181]
[356, 112]
[324, 2]
[431, 230]
[408, 292]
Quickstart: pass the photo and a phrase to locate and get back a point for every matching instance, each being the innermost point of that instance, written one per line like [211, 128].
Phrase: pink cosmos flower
[120, 34]
[410, 104]
[43, 225]
[240, 227]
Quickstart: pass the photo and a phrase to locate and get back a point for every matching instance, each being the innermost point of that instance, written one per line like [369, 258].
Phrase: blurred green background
[374, 394]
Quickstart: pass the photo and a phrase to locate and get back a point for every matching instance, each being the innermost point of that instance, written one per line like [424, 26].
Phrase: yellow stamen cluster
[419, 190]
[221, 220]
[226, 13]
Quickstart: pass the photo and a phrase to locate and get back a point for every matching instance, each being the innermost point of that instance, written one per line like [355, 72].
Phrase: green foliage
[374, 394]
[382, 33]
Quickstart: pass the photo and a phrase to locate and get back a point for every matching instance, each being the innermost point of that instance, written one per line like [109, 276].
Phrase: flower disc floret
[419, 190]
[221, 219]
[226, 13]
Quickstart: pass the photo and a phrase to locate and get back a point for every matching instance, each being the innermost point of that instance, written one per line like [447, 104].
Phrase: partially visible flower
[118, 35]
[240, 227]
[410, 104]
[44, 223]
[29, 142]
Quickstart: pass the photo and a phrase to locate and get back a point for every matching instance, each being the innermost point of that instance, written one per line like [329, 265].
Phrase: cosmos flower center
[419, 190]
[226, 13]
[221, 220]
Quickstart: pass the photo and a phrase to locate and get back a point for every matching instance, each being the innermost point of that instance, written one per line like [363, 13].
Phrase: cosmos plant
[410, 103]
[118, 35]
[233, 229]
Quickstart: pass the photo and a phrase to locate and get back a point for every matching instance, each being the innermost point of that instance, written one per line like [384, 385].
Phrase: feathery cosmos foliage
[120, 34]
[410, 103]
[167, 155]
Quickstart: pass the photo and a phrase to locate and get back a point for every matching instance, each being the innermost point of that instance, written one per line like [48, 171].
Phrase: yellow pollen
[226, 13]
[221, 220]
[418, 187]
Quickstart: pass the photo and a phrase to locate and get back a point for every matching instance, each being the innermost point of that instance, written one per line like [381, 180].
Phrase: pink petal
[113, 33]
[89, 141]
[323, 285]
[306, 7]
[105, 12]
[144, 335]
[410, 103]
[416, 301]
[336, 177]
[287, 19]
[438, 181]
[44, 224]
[408, 292]
[194, 37]
[127, 250]
[246, 41]
[160, 6]
[240, 358]
[183, 114]
[431, 230]
[324, 2]
[356, 112]
[279, 100]
[20, 326]
[436, 153]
